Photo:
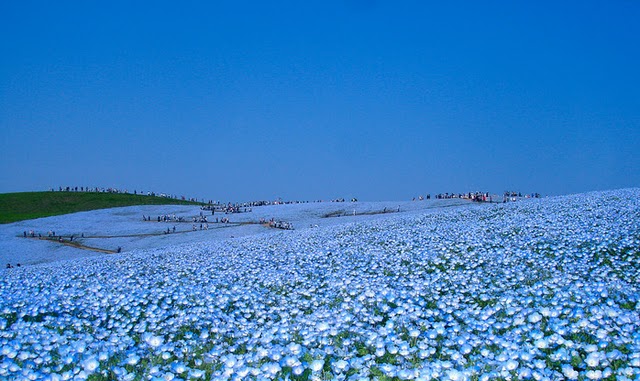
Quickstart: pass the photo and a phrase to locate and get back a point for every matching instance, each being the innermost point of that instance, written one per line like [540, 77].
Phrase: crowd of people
[210, 205]
[243, 207]
[204, 226]
[479, 196]
[164, 218]
[272, 223]
[250, 204]
[124, 191]
[202, 219]
[31, 234]
[514, 196]
[226, 209]
[448, 196]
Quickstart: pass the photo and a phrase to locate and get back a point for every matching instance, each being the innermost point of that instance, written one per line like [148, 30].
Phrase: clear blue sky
[306, 100]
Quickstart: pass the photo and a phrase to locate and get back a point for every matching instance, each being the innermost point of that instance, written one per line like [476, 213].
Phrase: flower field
[539, 289]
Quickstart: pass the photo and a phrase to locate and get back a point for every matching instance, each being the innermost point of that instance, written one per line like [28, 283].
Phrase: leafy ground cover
[542, 289]
[29, 205]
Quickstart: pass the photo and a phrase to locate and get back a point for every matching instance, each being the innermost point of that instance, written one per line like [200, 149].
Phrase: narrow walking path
[76, 244]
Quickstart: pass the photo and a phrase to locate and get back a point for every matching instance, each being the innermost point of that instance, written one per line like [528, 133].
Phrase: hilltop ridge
[30, 205]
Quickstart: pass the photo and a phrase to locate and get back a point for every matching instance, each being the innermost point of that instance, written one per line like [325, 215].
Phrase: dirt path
[164, 232]
[343, 213]
[77, 245]
[66, 240]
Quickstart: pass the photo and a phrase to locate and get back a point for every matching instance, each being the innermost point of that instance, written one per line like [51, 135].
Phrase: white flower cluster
[542, 289]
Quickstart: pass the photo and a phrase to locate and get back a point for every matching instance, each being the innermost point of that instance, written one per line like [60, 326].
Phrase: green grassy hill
[29, 205]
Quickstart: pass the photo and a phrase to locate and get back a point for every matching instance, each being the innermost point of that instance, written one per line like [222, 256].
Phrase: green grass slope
[29, 205]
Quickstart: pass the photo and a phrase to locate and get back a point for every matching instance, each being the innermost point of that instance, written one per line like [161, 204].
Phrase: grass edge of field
[15, 207]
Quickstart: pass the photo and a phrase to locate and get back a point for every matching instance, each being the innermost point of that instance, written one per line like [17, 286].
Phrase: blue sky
[379, 100]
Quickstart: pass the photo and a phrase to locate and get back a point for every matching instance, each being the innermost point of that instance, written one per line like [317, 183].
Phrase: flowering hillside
[540, 289]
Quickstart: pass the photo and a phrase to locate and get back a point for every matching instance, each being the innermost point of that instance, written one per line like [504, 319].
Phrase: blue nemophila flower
[316, 365]
[152, 340]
